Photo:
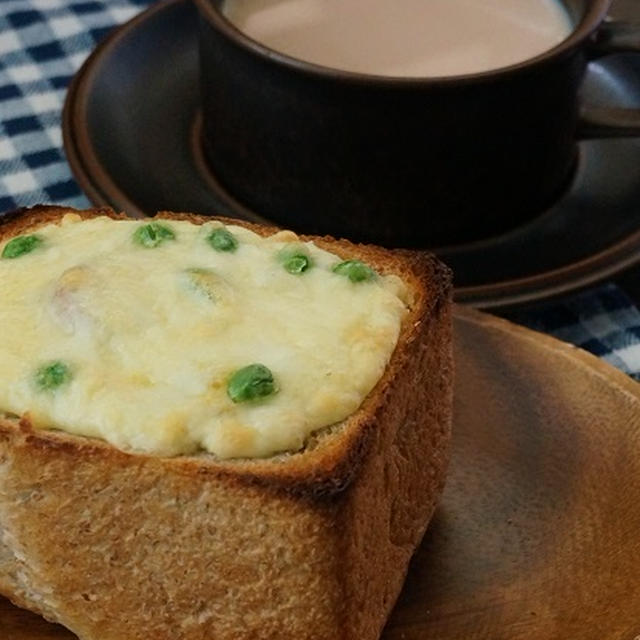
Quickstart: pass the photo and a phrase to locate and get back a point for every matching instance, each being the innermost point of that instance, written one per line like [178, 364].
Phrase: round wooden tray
[537, 533]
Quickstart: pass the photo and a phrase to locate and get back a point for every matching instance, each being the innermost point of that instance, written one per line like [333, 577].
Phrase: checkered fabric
[44, 42]
[603, 321]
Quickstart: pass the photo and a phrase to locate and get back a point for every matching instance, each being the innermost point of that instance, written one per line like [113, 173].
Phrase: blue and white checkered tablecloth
[44, 42]
[603, 321]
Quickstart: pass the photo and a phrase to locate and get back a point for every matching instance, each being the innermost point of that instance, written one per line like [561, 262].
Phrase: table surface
[44, 42]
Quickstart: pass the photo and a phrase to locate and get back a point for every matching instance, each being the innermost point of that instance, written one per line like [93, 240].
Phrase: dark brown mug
[399, 161]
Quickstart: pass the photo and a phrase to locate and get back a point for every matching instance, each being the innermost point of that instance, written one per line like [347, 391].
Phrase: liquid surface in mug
[404, 37]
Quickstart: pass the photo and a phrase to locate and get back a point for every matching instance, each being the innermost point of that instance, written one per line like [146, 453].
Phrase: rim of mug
[212, 13]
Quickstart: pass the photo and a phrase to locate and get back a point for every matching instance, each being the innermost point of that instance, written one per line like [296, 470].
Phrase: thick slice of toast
[307, 545]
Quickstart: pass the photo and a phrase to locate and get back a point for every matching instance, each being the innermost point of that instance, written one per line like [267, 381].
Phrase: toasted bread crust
[365, 489]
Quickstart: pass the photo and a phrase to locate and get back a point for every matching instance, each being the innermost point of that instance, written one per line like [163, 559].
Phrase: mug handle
[613, 36]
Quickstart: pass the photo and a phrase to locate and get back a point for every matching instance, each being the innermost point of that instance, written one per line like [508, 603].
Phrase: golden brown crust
[308, 545]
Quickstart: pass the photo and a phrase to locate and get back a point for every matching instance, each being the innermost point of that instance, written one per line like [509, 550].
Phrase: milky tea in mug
[421, 38]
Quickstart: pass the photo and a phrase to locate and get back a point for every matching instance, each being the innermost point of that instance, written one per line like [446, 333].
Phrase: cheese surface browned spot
[151, 337]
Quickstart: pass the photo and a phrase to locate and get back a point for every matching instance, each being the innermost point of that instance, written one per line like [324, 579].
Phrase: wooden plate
[538, 533]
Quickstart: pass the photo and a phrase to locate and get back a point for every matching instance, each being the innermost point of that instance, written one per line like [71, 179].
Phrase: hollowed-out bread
[312, 544]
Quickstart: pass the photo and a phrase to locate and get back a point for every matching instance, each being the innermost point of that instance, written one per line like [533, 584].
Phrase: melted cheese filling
[151, 351]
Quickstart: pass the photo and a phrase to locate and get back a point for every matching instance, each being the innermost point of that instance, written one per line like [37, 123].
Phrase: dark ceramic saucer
[130, 132]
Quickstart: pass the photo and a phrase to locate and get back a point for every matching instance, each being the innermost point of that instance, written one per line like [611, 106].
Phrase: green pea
[355, 270]
[152, 235]
[222, 240]
[295, 260]
[251, 382]
[21, 245]
[53, 375]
